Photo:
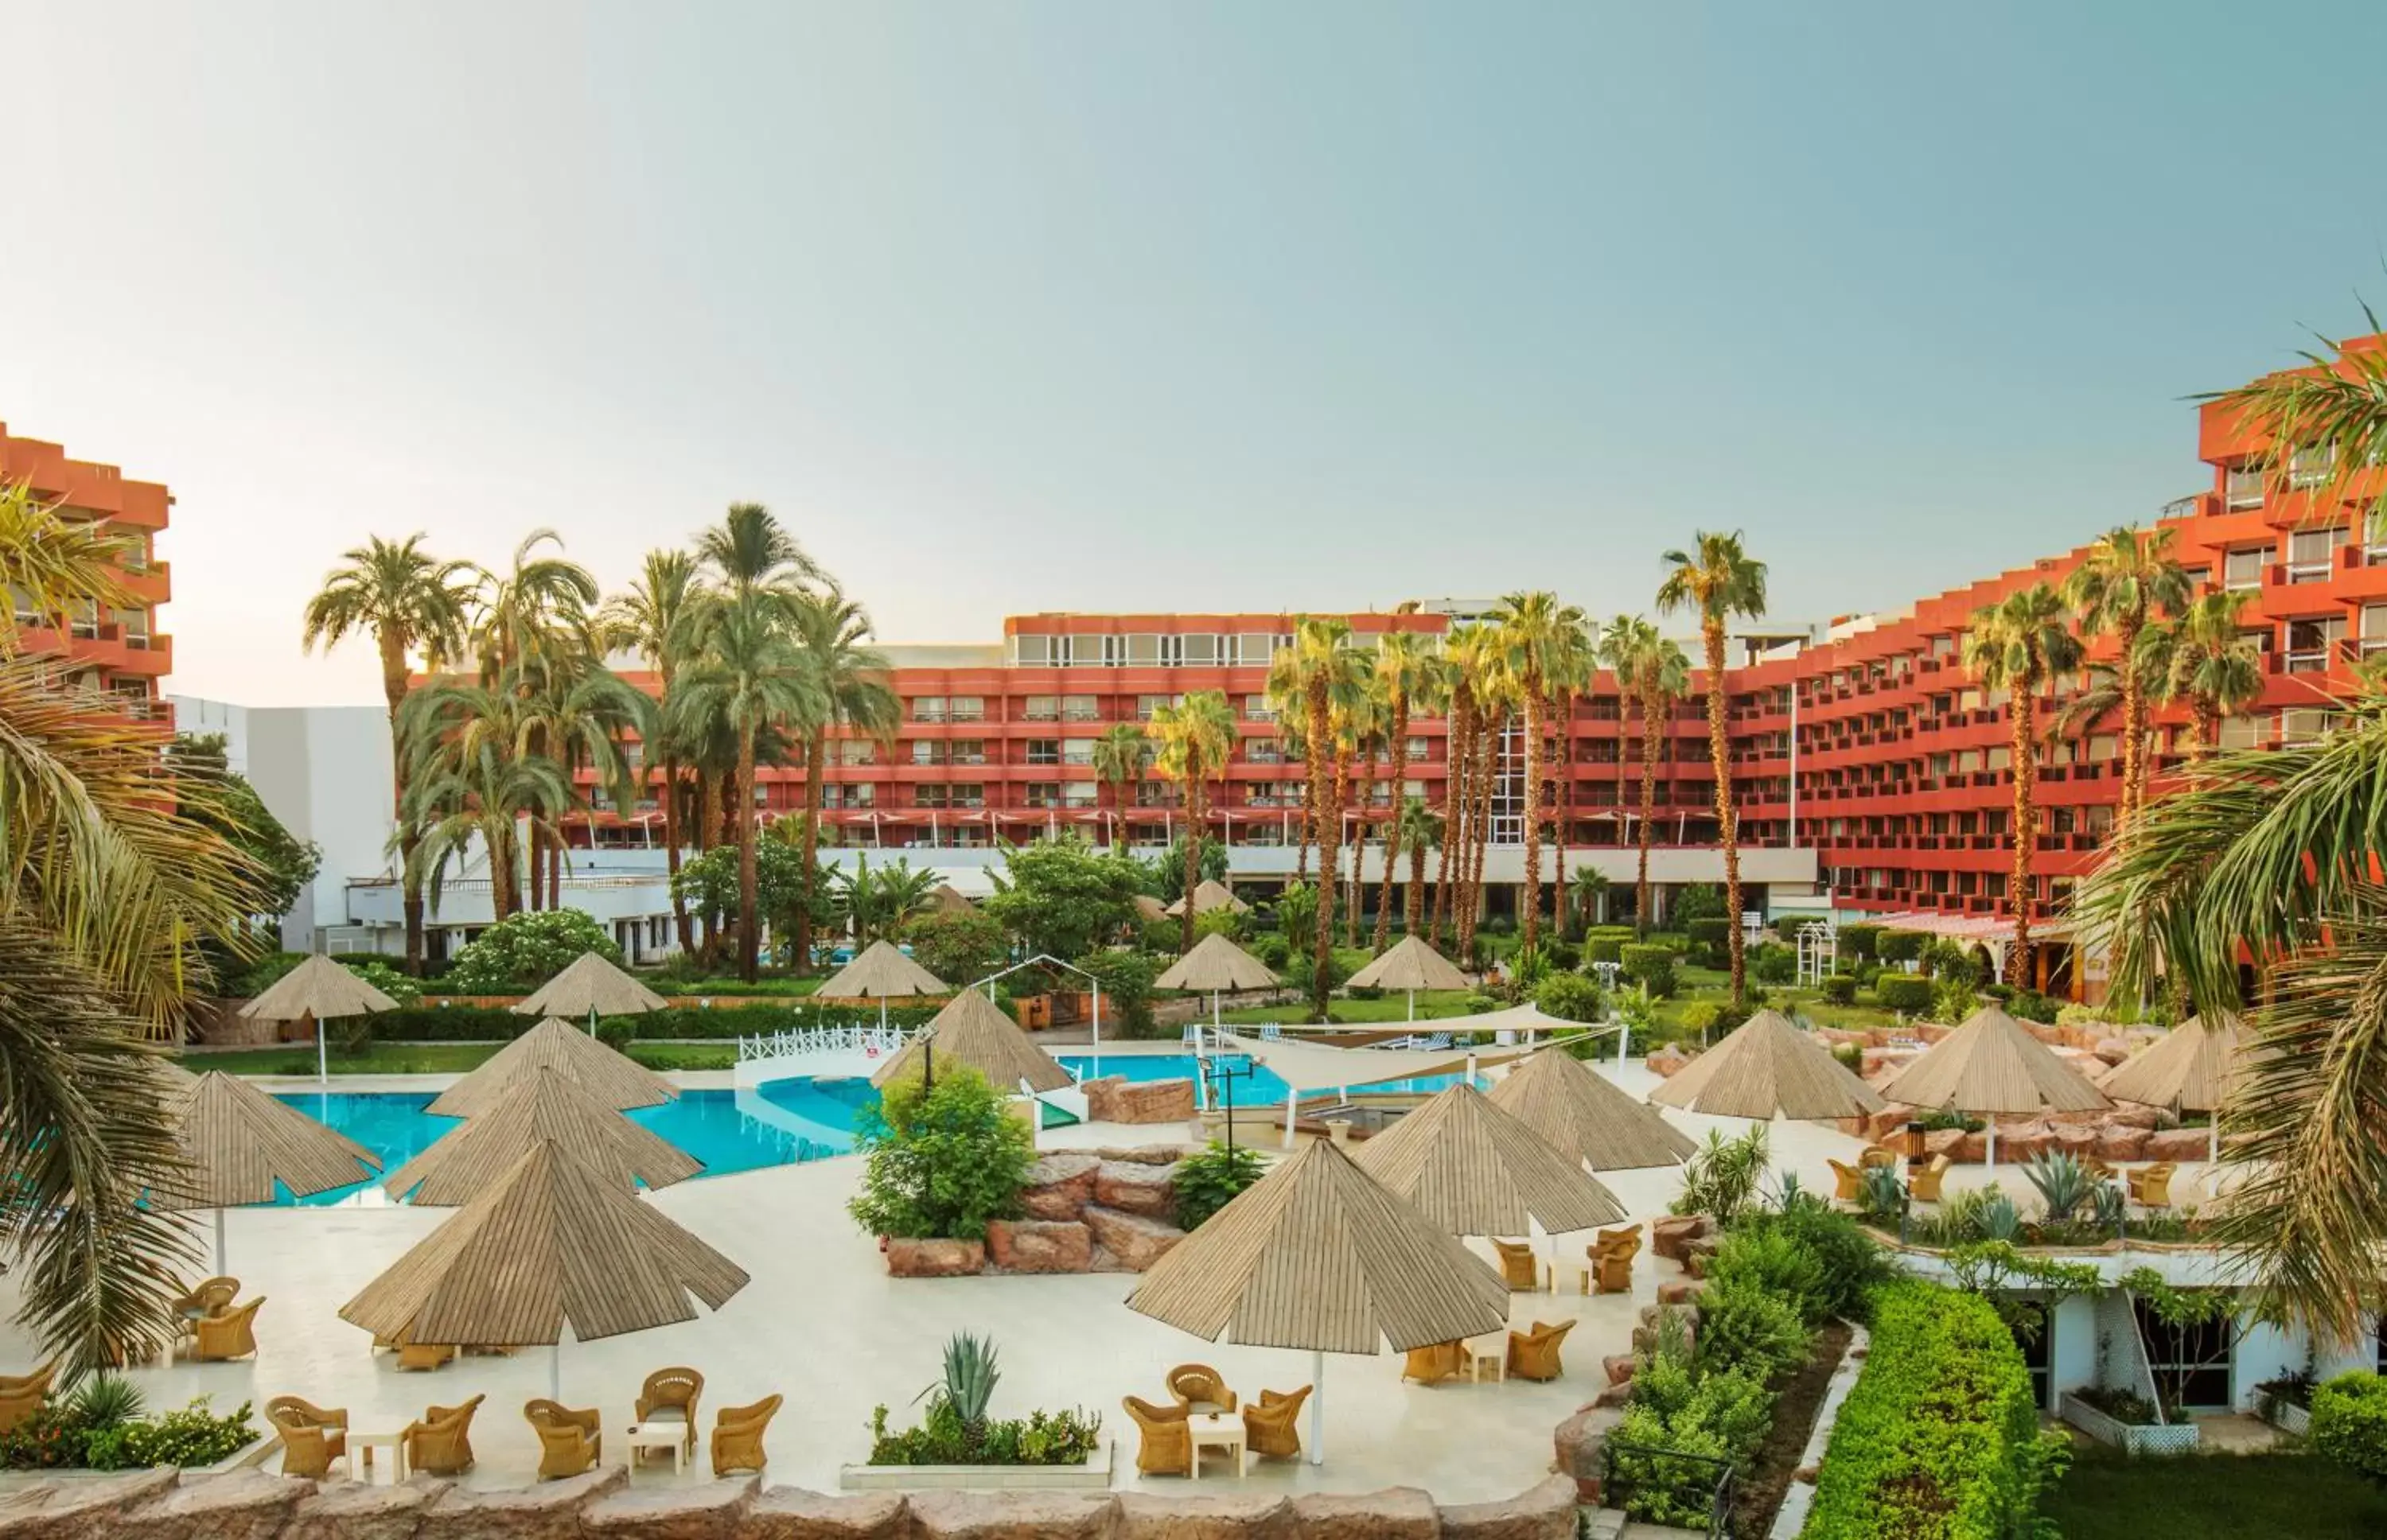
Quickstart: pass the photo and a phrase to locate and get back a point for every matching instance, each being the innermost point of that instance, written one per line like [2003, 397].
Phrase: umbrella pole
[1317, 1407]
[593, 1020]
[219, 1242]
[322, 1066]
[1292, 1106]
[1991, 1150]
[882, 1014]
[1413, 1005]
[2212, 1140]
[555, 1368]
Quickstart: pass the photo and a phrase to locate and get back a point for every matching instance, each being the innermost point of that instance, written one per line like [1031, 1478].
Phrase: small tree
[940, 1163]
[1126, 979]
[2216, 1317]
[525, 950]
[957, 945]
[1059, 897]
[1209, 1180]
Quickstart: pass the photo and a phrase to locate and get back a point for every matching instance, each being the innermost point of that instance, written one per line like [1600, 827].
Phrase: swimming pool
[799, 1121]
[1262, 1087]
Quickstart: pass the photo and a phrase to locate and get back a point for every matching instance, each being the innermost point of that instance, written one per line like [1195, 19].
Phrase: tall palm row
[1718, 581]
[2018, 645]
[1122, 754]
[848, 680]
[1540, 645]
[1651, 675]
[1454, 683]
[115, 899]
[1318, 674]
[2128, 580]
[1358, 721]
[1195, 737]
[660, 617]
[1404, 677]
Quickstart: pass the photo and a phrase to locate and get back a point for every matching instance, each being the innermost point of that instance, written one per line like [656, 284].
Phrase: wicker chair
[670, 1395]
[1611, 1260]
[210, 1298]
[312, 1436]
[22, 1395]
[1535, 1355]
[1272, 1425]
[2151, 1185]
[1189, 1383]
[737, 1436]
[1166, 1448]
[1922, 1186]
[1518, 1265]
[1876, 1155]
[425, 1357]
[1434, 1362]
[230, 1335]
[1847, 1182]
[439, 1443]
[569, 1440]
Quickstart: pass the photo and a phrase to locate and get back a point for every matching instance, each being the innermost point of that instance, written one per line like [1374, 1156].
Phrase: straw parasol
[1476, 1170]
[948, 899]
[973, 1030]
[173, 1081]
[1768, 1068]
[882, 971]
[608, 1076]
[540, 1107]
[2190, 1069]
[553, 1243]
[1216, 963]
[1569, 1104]
[1992, 1065]
[1317, 1255]
[1211, 895]
[1150, 908]
[1412, 965]
[591, 987]
[318, 989]
[237, 1145]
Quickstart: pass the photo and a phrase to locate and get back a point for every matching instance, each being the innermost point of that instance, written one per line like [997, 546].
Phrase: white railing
[807, 1042]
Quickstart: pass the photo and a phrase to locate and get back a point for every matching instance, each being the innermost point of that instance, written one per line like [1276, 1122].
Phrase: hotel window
[968, 750]
[928, 708]
[1263, 751]
[21, 603]
[1043, 795]
[933, 796]
[1080, 794]
[1943, 646]
[1146, 704]
[2374, 629]
[2246, 732]
[1257, 709]
[1041, 708]
[136, 626]
[2244, 569]
[1043, 750]
[2310, 467]
[853, 750]
[1415, 749]
[2245, 488]
[1077, 751]
[1141, 651]
[929, 751]
[1257, 648]
[966, 708]
[2311, 642]
[835, 796]
[1032, 651]
[82, 618]
[2311, 553]
[1085, 651]
[1999, 758]
[2304, 725]
[1199, 650]
[1080, 708]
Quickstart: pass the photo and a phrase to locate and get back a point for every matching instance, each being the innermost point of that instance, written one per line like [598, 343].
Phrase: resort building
[122, 651]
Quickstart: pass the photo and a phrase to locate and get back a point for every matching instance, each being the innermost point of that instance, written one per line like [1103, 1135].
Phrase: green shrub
[1860, 941]
[1208, 1180]
[1839, 989]
[1604, 949]
[1720, 1415]
[1900, 946]
[2031, 1005]
[101, 1428]
[939, 1163]
[1940, 1436]
[1772, 964]
[945, 1438]
[1709, 932]
[1617, 933]
[1564, 955]
[2349, 1423]
[1698, 901]
[1900, 992]
[524, 950]
[1850, 1264]
[1698, 1020]
[1651, 967]
[1568, 996]
[617, 1032]
[959, 945]
[1274, 950]
[1126, 980]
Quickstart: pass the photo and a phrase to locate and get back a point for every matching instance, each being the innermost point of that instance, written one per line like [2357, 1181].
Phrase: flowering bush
[526, 950]
[107, 1433]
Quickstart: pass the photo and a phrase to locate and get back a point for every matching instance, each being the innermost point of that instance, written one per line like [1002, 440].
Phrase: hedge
[1897, 991]
[1651, 965]
[1940, 1437]
[1900, 946]
[1860, 941]
[496, 1024]
[1604, 949]
[1709, 932]
[2349, 1422]
[1839, 989]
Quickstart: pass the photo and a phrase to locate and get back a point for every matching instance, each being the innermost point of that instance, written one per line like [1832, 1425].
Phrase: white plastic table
[361, 1448]
[1217, 1432]
[644, 1436]
[1490, 1349]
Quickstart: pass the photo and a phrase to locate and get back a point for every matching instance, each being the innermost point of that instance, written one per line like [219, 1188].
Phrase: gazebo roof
[589, 983]
[544, 1105]
[1210, 894]
[1569, 1104]
[1215, 963]
[317, 987]
[1410, 964]
[610, 1077]
[1765, 1069]
[2190, 1069]
[1992, 1065]
[237, 1144]
[1476, 1170]
[882, 971]
[973, 1030]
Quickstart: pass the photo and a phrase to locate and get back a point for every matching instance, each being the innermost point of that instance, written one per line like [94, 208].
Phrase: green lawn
[2212, 1498]
[441, 1058]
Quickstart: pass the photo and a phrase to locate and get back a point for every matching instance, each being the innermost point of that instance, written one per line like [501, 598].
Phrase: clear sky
[1008, 307]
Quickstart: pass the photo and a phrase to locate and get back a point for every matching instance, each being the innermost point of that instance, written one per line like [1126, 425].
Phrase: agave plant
[2063, 1183]
[106, 1400]
[2109, 1204]
[1997, 1218]
[970, 1376]
[1880, 1195]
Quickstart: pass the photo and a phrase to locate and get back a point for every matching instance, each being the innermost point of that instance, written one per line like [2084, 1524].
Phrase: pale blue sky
[1008, 308]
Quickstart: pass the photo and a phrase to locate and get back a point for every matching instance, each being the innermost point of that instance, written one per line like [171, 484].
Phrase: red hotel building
[121, 652]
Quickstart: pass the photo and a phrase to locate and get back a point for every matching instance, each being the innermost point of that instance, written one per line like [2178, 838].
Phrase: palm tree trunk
[2026, 823]
[1414, 905]
[749, 938]
[1393, 829]
[1649, 806]
[1309, 789]
[1352, 893]
[1489, 727]
[1561, 913]
[1727, 826]
[816, 766]
[2206, 712]
[537, 871]
[555, 863]
[1454, 797]
[1330, 831]
[1530, 922]
[394, 684]
[2134, 732]
[501, 870]
[671, 852]
[1193, 811]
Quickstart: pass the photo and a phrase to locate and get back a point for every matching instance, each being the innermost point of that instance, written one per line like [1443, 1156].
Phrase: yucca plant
[2063, 1183]
[2109, 1204]
[1880, 1195]
[1997, 1218]
[106, 1401]
[968, 1384]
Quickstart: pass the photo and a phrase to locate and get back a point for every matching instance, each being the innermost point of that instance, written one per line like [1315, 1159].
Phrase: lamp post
[1220, 1078]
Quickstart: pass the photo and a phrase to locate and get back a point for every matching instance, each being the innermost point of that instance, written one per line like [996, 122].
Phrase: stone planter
[2286, 1416]
[1094, 1474]
[934, 1258]
[2136, 1438]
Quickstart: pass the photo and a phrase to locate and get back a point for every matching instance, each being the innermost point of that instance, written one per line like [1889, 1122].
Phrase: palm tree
[1496, 697]
[1467, 665]
[1404, 662]
[412, 603]
[111, 898]
[1122, 754]
[472, 780]
[1718, 580]
[1572, 670]
[1534, 631]
[1318, 671]
[2127, 577]
[2017, 645]
[1195, 735]
[660, 618]
[1421, 827]
[584, 716]
[2333, 410]
[537, 620]
[1651, 675]
[1358, 719]
[2212, 664]
[1589, 889]
[755, 555]
[750, 678]
[850, 681]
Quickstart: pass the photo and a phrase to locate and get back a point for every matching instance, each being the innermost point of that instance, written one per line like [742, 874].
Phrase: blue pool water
[1261, 1087]
[810, 1120]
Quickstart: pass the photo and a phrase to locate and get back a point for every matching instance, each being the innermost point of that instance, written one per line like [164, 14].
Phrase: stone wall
[255, 1504]
[1116, 1099]
[1110, 1210]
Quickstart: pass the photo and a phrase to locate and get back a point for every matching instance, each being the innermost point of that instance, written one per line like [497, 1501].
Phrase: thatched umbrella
[1768, 1068]
[1569, 1104]
[2190, 1069]
[1216, 963]
[318, 989]
[1317, 1255]
[592, 987]
[609, 1076]
[882, 971]
[237, 1144]
[1211, 895]
[1476, 1170]
[973, 1030]
[553, 1243]
[1412, 965]
[1150, 908]
[949, 898]
[1992, 1065]
[540, 1107]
